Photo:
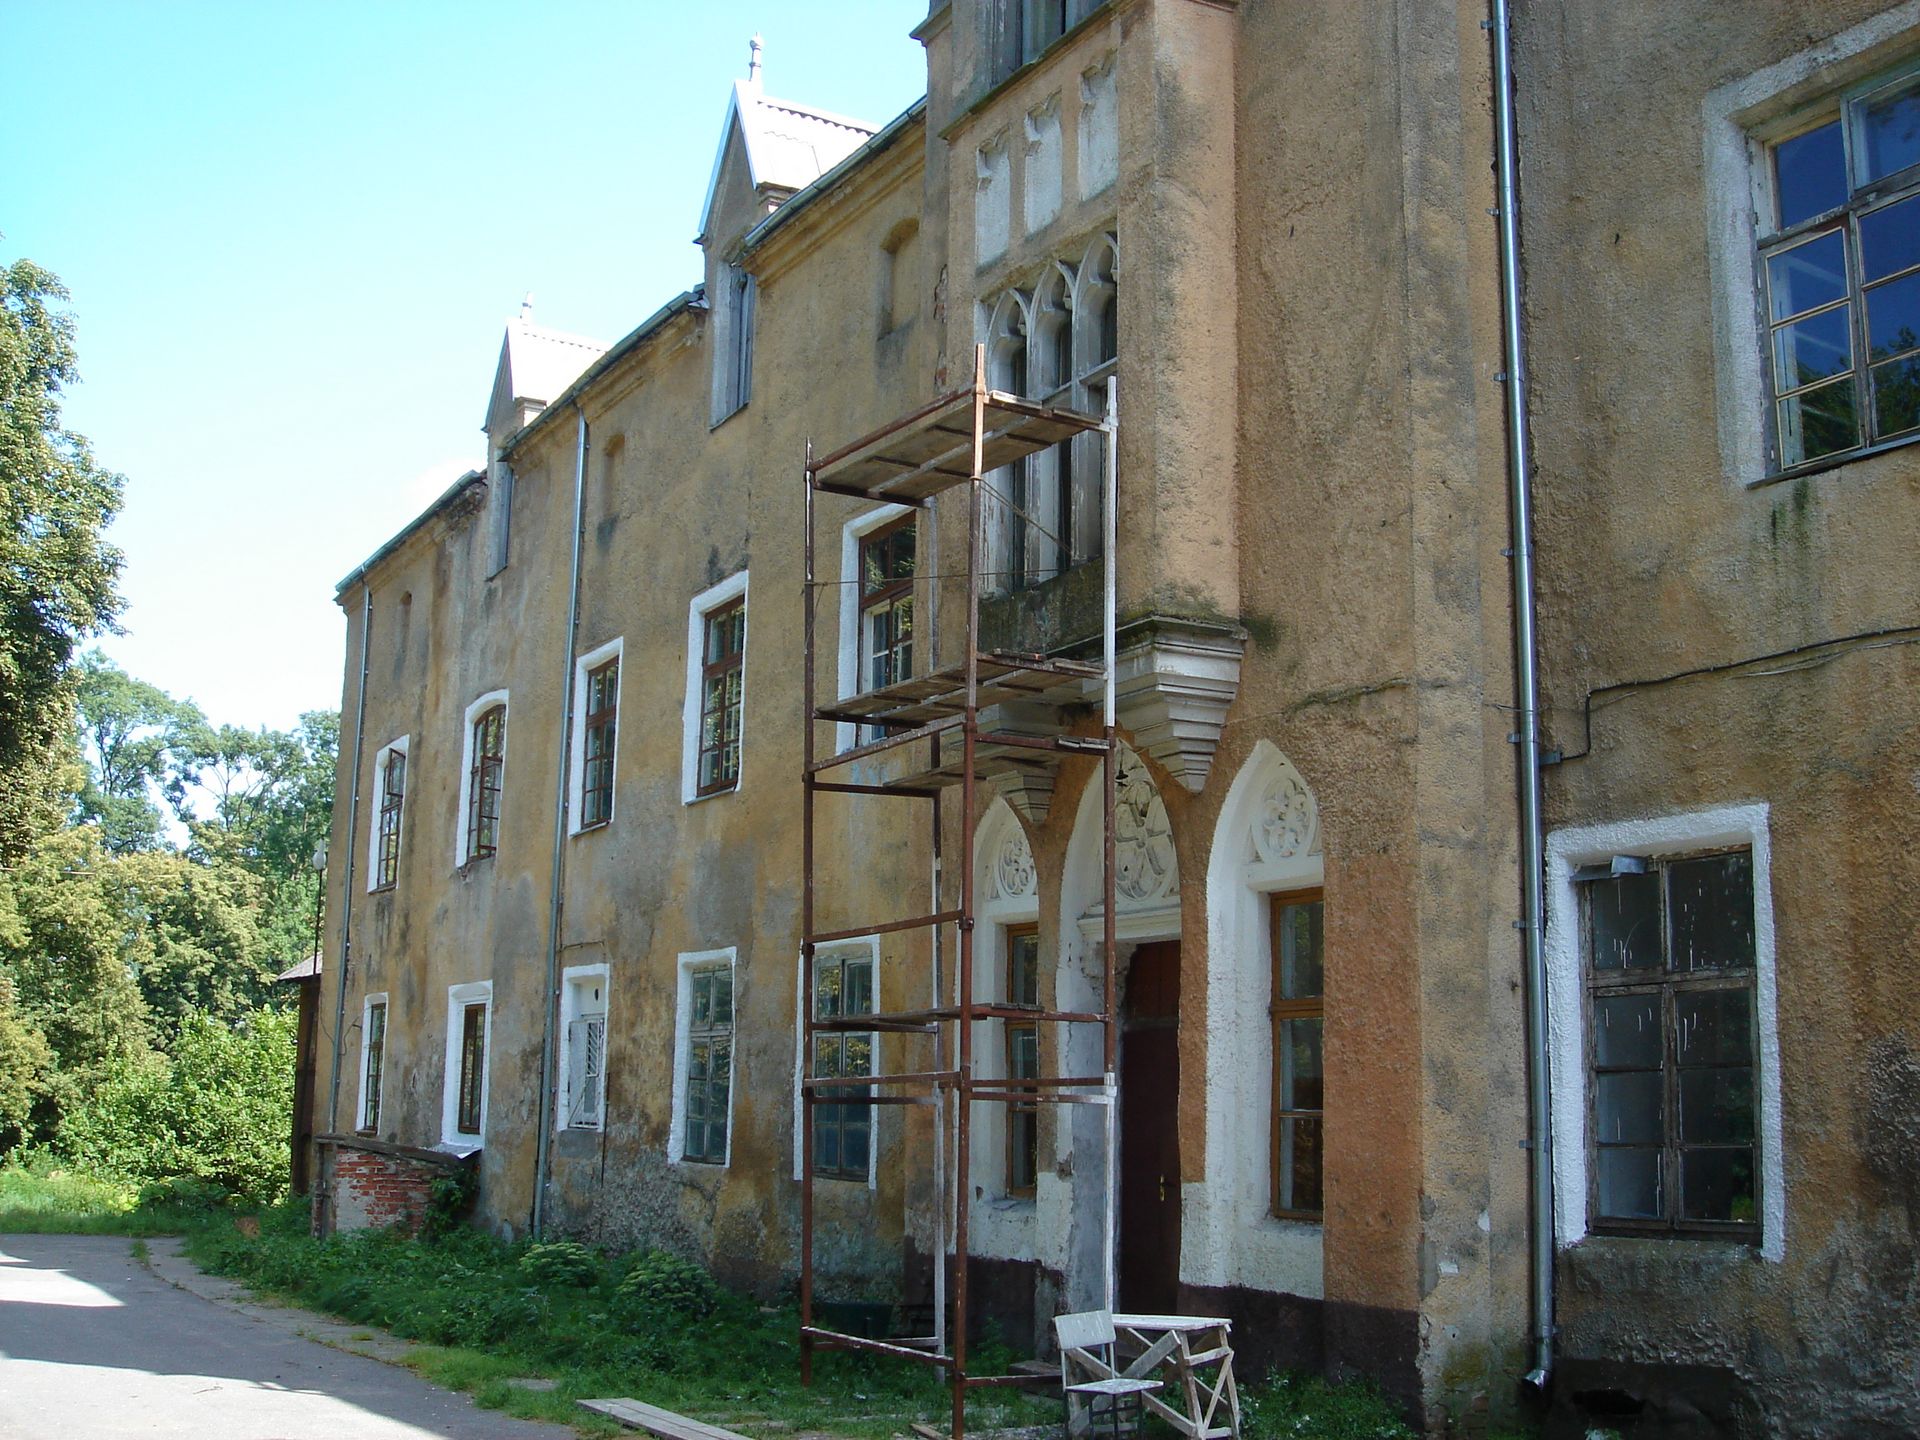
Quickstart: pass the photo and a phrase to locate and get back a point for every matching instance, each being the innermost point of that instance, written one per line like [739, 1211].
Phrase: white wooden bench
[638, 1415]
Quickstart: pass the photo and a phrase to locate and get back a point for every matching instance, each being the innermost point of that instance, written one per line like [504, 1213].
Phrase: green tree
[57, 573]
[131, 737]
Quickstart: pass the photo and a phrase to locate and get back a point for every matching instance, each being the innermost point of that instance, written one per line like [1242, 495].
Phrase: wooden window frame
[372, 1064]
[717, 1037]
[845, 1113]
[1669, 985]
[1279, 1011]
[485, 776]
[886, 597]
[713, 681]
[1027, 1110]
[393, 799]
[470, 1107]
[601, 726]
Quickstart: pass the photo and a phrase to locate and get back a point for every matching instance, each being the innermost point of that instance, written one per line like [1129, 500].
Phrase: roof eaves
[882, 141]
[645, 331]
[473, 479]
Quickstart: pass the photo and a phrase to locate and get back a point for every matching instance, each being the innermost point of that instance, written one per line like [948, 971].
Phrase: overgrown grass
[43, 1197]
[1288, 1406]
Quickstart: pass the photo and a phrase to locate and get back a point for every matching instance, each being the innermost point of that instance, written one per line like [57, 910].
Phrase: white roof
[787, 145]
[537, 364]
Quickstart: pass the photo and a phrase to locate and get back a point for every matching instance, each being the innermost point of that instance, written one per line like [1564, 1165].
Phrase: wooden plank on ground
[638, 1415]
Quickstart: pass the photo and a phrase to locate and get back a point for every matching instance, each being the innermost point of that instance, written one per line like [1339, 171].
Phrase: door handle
[1163, 1189]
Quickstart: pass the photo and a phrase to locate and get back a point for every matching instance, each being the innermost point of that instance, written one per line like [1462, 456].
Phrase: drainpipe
[346, 894]
[543, 1157]
[1527, 697]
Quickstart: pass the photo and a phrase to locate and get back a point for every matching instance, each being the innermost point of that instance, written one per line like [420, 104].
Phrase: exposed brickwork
[377, 1188]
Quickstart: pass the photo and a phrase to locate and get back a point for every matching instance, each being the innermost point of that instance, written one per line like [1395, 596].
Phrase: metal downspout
[346, 893]
[1527, 696]
[543, 1150]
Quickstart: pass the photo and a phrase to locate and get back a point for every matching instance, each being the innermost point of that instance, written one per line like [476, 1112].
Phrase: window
[886, 604]
[595, 732]
[481, 777]
[900, 277]
[705, 1091]
[1058, 344]
[714, 714]
[722, 676]
[1023, 1058]
[733, 341]
[1670, 965]
[843, 1129]
[583, 1038]
[463, 1116]
[390, 788]
[1021, 30]
[1299, 1010]
[1840, 273]
[373, 1056]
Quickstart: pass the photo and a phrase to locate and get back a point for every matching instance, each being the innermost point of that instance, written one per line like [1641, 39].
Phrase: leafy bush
[1288, 1405]
[660, 1282]
[559, 1264]
[216, 1114]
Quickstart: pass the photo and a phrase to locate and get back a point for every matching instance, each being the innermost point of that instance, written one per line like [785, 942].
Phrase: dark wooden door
[1149, 1221]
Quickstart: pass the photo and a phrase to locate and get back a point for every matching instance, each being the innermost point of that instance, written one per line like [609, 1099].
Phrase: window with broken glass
[843, 1125]
[1840, 273]
[709, 1063]
[483, 782]
[1671, 1044]
[597, 744]
[1299, 1019]
[393, 798]
[1023, 1059]
[722, 689]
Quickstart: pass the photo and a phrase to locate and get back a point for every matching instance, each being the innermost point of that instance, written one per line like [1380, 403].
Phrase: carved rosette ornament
[1287, 824]
[1145, 866]
[1013, 872]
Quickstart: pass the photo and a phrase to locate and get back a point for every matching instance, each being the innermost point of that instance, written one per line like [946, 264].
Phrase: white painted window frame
[458, 998]
[481, 704]
[1738, 118]
[373, 819]
[689, 961]
[1728, 825]
[577, 749]
[851, 534]
[864, 947]
[366, 1039]
[734, 587]
[573, 980]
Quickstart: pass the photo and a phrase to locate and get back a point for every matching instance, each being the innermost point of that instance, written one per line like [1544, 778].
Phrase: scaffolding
[958, 440]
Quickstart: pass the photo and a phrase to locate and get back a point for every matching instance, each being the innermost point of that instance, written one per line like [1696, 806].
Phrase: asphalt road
[93, 1344]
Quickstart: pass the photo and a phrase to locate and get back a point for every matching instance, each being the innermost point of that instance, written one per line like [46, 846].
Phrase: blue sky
[294, 231]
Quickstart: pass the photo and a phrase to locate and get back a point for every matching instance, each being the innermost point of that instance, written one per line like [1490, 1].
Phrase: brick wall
[367, 1185]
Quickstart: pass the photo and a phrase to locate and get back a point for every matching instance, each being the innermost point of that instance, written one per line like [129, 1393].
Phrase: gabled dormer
[769, 149]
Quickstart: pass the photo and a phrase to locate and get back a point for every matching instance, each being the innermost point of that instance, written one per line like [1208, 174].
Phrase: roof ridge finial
[754, 48]
[526, 309]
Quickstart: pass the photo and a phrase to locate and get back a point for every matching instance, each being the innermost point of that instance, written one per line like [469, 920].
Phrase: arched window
[1003, 531]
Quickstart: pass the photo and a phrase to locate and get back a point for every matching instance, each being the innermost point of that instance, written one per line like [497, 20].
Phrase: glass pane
[826, 990]
[1718, 1185]
[858, 1055]
[1716, 1026]
[722, 998]
[859, 992]
[1889, 135]
[1625, 915]
[1893, 317]
[1716, 1105]
[1301, 1084]
[1818, 422]
[1626, 1031]
[1023, 969]
[1896, 396]
[1810, 174]
[1300, 1167]
[1627, 1107]
[1710, 904]
[1301, 974]
[854, 1136]
[826, 1139]
[1890, 239]
[1023, 1053]
[1817, 348]
[1807, 276]
[1628, 1183]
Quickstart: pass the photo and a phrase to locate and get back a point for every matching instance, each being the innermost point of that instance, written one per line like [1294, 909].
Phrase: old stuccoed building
[1605, 1107]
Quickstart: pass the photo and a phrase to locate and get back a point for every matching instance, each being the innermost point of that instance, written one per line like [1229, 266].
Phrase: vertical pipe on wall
[346, 892]
[1109, 775]
[806, 933]
[1527, 698]
[549, 1100]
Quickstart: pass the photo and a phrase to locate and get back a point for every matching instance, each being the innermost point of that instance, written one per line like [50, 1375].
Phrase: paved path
[95, 1344]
